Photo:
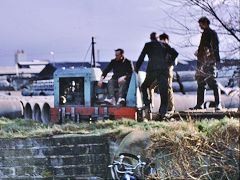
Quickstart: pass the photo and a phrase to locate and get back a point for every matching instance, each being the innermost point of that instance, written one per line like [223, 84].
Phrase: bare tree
[230, 20]
[183, 17]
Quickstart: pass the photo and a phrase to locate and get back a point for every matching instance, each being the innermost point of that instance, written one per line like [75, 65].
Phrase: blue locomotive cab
[76, 93]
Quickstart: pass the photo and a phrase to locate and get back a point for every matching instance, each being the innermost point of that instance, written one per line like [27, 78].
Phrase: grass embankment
[206, 149]
[198, 150]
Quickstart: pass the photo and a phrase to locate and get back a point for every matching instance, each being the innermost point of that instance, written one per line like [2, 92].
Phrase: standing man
[171, 63]
[157, 69]
[122, 71]
[207, 57]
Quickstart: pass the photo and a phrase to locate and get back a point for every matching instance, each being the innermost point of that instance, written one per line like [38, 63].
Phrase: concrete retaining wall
[58, 157]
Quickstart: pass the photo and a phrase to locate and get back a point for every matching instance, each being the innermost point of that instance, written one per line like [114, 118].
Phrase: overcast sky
[66, 27]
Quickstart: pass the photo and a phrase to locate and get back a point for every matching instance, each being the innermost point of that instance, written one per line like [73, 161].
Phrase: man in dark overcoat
[157, 68]
[207, 58]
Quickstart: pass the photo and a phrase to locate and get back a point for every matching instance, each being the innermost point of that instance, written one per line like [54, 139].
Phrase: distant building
[23, 67]
[23, 72]
[20, 56]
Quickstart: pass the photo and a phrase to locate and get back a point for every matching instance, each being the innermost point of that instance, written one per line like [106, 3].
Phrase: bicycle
[123, 170]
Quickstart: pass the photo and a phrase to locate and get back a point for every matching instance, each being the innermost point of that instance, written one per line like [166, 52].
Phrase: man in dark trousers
[157, 69]
[122, 71]
[207, 57]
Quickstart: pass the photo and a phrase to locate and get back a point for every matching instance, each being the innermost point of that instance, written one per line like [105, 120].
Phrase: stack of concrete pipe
[35, 107]
[187, 78]
[38, 108]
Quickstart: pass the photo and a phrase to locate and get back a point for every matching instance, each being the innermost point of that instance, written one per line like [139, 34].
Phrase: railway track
[209, 113]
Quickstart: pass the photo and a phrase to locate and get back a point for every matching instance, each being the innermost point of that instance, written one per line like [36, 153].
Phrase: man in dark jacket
[207, 57]
[122, 71]
[171, 63]
[157, 69]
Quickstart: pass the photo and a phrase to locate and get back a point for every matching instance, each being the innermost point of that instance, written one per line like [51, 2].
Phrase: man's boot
[217, 96]
[200, 99]
[148, 114]
[147, 110]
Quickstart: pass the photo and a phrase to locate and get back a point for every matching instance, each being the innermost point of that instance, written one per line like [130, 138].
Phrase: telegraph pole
[93, 53]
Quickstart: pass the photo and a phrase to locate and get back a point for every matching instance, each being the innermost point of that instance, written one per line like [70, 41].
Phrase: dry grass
[206, 149]
[24, 128]
[203, 150]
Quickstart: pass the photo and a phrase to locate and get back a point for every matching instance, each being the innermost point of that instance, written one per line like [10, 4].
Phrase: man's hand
[121, 79]
[135, 70]
[196, 53]
[100, 82]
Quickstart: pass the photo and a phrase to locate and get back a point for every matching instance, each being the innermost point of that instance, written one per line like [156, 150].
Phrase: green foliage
[46, 174]
[213, 125]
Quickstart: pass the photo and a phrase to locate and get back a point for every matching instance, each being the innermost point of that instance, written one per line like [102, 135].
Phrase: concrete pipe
[185, 76]
[188, 86]
[38, 108]
[184, 102]
[37, 113]
[11, 109]
[28, 111]
[46, 113]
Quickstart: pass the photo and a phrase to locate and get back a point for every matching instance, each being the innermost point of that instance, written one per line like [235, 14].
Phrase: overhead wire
[87, 53]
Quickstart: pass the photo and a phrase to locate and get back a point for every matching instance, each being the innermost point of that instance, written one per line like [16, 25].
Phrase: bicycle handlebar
[129, 168]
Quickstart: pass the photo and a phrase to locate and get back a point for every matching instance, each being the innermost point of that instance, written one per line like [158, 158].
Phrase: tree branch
[224, 25]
